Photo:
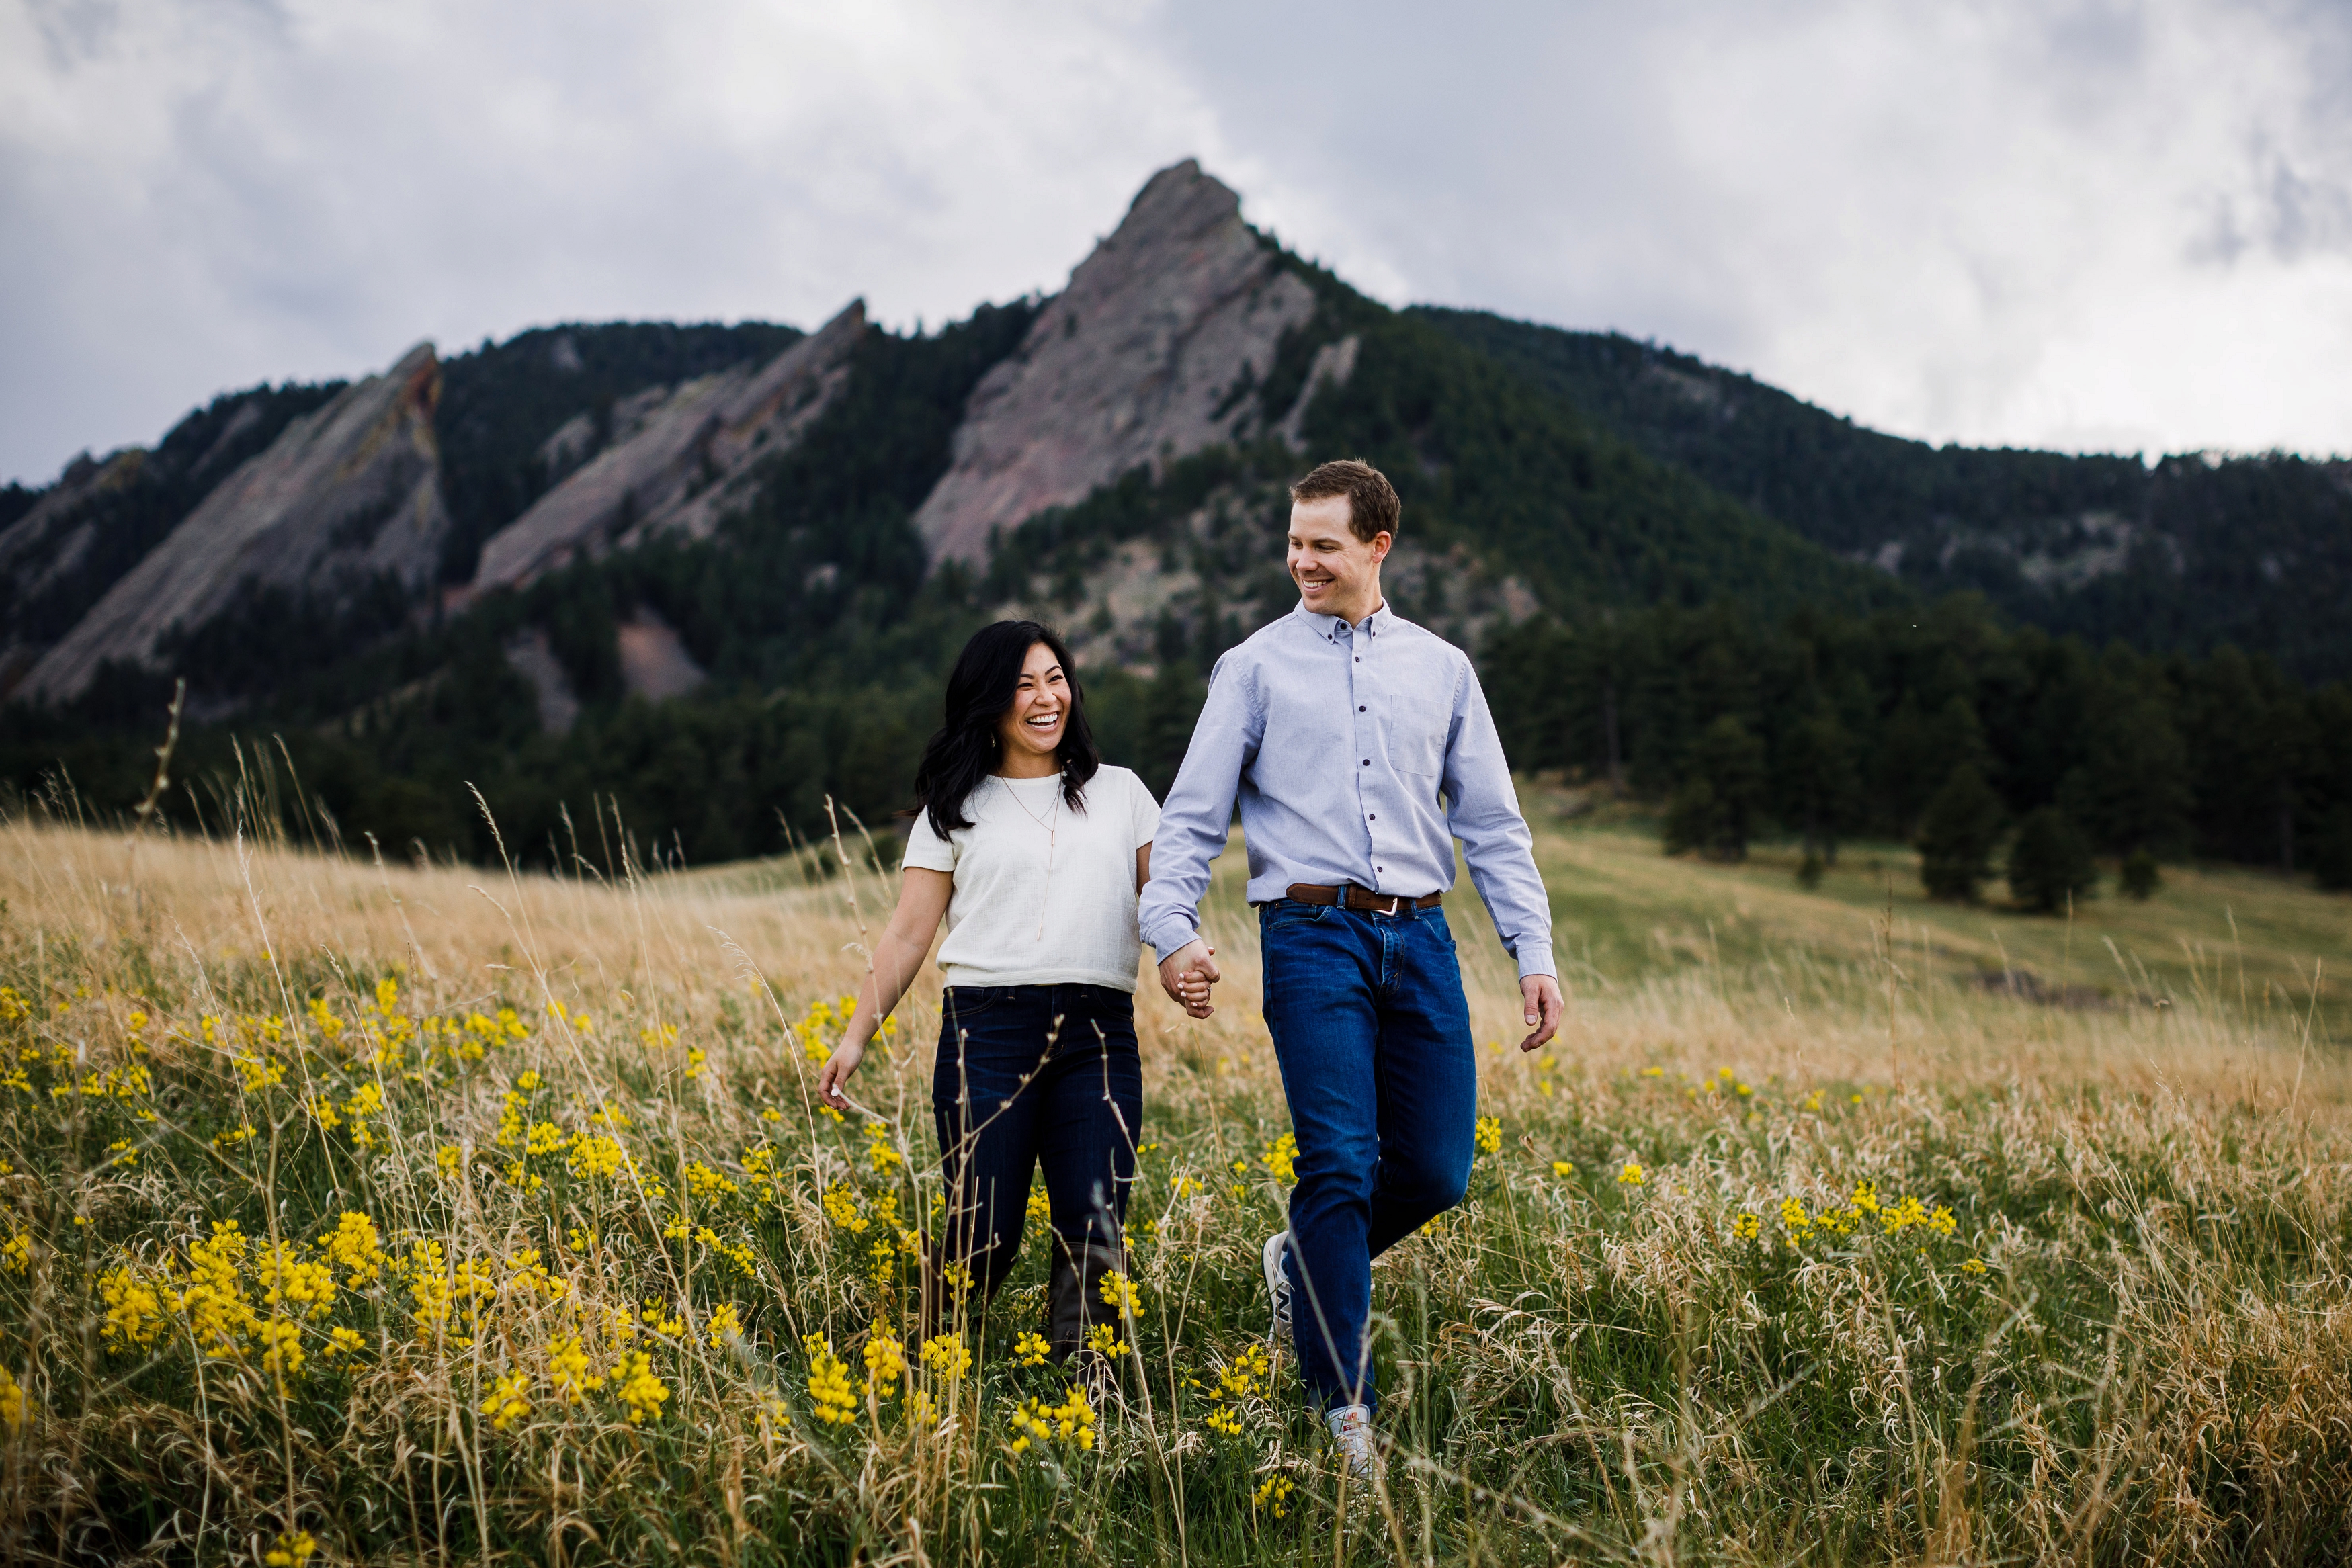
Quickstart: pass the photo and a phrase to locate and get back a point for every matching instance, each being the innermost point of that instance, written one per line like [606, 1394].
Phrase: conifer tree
[1821, 783]
[2332, 853]
[1731, 761]
[1956, 835]
[2050, 862]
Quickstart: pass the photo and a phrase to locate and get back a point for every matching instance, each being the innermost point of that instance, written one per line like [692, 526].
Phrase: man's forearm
[1194, 818]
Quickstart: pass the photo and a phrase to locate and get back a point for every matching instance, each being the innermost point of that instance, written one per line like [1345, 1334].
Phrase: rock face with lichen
[681, 458]
[1151, 353]
[346, 497]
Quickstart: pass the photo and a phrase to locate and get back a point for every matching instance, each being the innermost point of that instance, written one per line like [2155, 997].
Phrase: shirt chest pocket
[1417, 730]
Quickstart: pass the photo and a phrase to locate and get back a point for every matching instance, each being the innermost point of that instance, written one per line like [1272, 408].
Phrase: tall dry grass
[1823, 1255]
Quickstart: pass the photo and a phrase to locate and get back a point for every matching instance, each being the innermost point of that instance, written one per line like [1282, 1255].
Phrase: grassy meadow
[364, 1212]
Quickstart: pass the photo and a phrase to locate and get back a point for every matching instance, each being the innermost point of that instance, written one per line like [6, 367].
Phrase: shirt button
[1368, 762]
[1359, 707]
[1372, 816]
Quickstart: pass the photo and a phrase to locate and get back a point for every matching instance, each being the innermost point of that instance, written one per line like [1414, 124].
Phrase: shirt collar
[1330, 627]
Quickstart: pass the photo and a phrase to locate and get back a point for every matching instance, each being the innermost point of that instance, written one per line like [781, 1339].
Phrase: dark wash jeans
[1373, 1037]
[1032, 1075]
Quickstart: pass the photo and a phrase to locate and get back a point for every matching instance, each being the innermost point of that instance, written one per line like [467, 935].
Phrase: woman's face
[1031, 729]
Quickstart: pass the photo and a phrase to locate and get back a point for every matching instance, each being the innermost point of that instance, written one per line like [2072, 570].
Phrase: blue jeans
[1373, 1037]
[1031, 1075]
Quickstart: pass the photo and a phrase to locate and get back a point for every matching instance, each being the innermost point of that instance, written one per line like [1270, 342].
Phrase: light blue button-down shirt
[1357, 754]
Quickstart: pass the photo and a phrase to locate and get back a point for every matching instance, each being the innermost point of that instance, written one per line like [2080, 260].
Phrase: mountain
[707, 575]
[346, 502]
[1153, 349]
[680, 458]
[70, 543]
[2190, 552]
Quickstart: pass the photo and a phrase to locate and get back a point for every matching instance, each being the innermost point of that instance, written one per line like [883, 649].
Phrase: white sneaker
[1277, 1285]
[1352, 1434]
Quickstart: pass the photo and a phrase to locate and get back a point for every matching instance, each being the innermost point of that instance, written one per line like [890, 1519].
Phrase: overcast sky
[2090, 227]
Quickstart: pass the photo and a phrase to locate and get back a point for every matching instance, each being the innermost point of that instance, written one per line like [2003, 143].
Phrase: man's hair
[1372, 504]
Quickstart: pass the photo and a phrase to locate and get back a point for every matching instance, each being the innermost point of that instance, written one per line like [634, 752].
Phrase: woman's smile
[1030, 733]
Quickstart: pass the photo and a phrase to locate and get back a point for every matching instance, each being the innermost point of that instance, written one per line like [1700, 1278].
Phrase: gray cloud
[2091, 225]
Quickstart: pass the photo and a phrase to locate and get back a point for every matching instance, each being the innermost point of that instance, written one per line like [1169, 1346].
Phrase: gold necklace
[1051, 828]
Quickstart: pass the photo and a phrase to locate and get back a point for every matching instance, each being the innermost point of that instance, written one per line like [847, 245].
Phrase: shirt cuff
[1167, 935]
[1534, 959]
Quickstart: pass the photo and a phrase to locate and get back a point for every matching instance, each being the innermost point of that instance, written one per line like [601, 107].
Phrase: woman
[1034, 851]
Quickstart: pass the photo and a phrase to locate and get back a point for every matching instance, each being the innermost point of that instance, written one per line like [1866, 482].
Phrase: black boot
[1074, 1305]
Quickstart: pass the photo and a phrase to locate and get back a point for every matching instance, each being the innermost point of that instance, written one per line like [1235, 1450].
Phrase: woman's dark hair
[980, 689]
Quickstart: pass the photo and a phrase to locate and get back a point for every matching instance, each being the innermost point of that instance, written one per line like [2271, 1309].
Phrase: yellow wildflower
[308, 1286]
[295, 1550]
[829, 1388]
[1072, 1422]
[886, 1363]
[841, 1208]
[947, 1356]
[638, 1387]
[568, 1369]
[724, 1326]
[281, 1347]
[505, 1405]
[1281, 1159]
[1118, 1292]
[354, 1244]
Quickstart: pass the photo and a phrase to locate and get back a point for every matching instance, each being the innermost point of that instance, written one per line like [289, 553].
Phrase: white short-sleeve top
[1045, 893]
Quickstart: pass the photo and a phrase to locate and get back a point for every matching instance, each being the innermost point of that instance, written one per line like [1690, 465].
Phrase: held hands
[1545, 1008]
[1186, 975]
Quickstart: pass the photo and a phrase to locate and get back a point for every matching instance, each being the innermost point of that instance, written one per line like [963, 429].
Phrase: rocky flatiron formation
[680, 460]
[51, 540]
[348, 494]
[1150, 353]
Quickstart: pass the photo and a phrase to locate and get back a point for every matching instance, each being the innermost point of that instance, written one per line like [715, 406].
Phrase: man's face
[1337, 573]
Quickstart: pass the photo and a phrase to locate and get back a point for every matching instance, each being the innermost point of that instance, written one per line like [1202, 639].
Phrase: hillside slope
[2187, 554]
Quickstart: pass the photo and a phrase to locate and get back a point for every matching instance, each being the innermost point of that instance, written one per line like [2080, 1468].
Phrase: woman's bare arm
[898, 954]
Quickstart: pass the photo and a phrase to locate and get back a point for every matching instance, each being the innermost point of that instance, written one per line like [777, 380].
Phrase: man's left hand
[1544, 1010]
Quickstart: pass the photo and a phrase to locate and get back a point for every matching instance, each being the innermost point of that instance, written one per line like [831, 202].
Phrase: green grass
[2250, 940]
[1684, 1315]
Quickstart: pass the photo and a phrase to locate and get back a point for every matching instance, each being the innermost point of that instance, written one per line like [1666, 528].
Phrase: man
[1359, 747]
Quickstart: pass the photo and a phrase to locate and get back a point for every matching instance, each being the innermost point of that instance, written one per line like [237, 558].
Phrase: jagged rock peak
[686, 457]
[348, 494]
[1150, 353]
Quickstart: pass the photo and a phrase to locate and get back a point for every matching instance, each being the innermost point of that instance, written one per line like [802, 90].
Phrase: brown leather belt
[1364, 898]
